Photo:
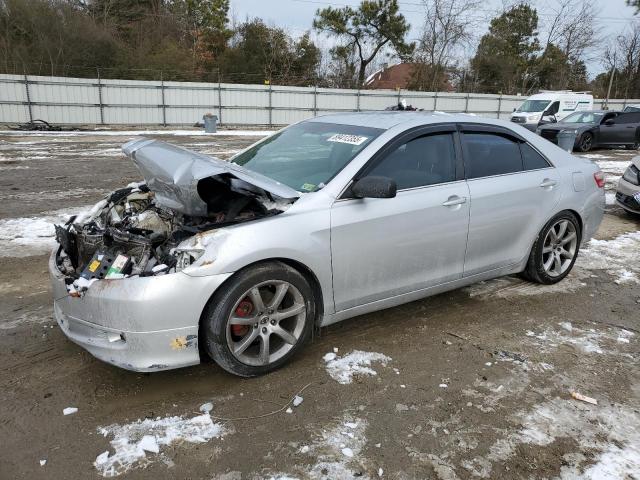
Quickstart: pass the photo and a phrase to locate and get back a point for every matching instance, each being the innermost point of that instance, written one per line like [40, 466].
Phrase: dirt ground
[477, 383]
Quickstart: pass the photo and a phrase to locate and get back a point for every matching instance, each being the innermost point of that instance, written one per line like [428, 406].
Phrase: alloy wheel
[559, 248]
[266, 322]
[585, 143]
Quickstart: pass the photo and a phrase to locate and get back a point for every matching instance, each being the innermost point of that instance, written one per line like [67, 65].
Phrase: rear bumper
[140, 324]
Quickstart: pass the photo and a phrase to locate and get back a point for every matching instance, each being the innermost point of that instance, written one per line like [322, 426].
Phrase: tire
[586, 142]
[545, 249]
[633, 146]
[238, 344]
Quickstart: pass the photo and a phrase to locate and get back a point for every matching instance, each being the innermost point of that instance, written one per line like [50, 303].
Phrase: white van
[550, 107]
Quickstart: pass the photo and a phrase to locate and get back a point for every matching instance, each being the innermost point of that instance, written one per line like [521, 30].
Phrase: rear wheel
[259, 320]
[555, 250]
[633, 146]
[586, 142]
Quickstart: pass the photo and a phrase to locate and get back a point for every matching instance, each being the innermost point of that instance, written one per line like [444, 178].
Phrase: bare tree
[448, 27]
[572, 30]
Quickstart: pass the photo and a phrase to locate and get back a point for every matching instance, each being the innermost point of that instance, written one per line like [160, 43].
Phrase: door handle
[454, 200]
[548, 183]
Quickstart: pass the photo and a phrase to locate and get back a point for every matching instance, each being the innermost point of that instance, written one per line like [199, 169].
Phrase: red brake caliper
[243, 310]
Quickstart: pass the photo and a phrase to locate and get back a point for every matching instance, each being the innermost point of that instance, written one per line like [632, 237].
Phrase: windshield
[533, 106]
[583, 117]
[632, 108]
[307, 155]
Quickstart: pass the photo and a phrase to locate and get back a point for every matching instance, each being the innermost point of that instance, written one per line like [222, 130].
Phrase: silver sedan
[325, 220]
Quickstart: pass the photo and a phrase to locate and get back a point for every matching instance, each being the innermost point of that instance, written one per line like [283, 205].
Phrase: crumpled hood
[173, 173]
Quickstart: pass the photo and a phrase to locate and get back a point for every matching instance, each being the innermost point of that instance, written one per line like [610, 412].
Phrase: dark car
[597, 128]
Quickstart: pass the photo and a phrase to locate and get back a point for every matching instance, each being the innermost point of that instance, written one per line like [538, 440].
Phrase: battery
[98, 266]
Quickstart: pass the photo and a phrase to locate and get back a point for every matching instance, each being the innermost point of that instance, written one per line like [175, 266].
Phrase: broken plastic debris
[378, 445]
[347, 452]
[297, 401]
[335, 349]
[206, 407]
[403, 386]
[488, 364]
[380, 472]
[43, 462]
[584, 398]
[304, 449]
[329, 356]
[69, 411]
[443, 385]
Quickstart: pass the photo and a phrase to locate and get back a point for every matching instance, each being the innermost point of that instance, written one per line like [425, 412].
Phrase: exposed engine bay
[133, 232]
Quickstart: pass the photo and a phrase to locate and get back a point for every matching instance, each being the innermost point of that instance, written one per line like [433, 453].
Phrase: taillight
[599, 178]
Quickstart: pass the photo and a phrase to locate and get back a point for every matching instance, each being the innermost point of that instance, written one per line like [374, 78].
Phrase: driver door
[383, 248]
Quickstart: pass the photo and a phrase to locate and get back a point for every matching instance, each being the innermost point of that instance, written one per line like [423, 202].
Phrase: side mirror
[609, 122]
[374, 187]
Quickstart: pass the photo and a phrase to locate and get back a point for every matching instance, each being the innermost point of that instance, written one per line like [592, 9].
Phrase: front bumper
[624, 196]
[139, 323]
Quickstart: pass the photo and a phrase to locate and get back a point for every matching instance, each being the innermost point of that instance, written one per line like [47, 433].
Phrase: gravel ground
[474, 383]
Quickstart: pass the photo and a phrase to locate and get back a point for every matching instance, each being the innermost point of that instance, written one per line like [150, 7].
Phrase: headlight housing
[186, 256]
[570, 131]
[632, 175]
[532, 117]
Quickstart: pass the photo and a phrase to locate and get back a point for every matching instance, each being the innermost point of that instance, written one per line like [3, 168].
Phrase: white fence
[81, 101]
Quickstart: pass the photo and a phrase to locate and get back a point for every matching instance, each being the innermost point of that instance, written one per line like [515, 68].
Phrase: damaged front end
[146, 229]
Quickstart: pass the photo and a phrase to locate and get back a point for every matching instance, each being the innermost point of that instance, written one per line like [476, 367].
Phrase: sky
[296, 17]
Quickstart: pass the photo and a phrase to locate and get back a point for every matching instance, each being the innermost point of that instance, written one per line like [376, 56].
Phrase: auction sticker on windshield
[350, 139]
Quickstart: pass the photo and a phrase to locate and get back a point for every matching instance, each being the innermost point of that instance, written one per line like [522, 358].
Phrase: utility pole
[613, 72]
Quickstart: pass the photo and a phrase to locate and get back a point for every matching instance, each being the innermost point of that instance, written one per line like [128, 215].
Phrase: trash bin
[566, 140]
[210, 123]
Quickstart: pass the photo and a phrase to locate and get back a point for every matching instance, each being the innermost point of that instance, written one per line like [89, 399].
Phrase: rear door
[382, 248]
[513, 190]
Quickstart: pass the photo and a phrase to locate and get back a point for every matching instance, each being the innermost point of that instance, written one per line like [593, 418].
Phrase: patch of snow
[357, 363]
[297, 400]
[613, 431]
[594, 156]
[618, 257]
[133, 133]
[289, 410]
[69, 411]
[132, 441]
[206, 407]
[27, 236]
[304, 449]
[443, 385]
[43, 462]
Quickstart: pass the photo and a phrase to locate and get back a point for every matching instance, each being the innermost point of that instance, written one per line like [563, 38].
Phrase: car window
[488, 154]
[425, 160]
[531, 159]
[628, 118]
[307, 155]
[554, 108]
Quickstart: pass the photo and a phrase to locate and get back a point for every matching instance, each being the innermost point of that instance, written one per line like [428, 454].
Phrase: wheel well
[577, 215]
[300, 267]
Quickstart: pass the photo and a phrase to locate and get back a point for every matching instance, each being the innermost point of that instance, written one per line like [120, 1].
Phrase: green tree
[258, 52]
[376, 24]
[506, 56]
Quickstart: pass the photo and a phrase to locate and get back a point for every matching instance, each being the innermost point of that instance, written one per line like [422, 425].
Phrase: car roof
[389, 119]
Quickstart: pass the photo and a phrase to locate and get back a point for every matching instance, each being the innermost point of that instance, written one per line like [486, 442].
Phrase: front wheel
[555, 250]
[259, 320]
[586, 142]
